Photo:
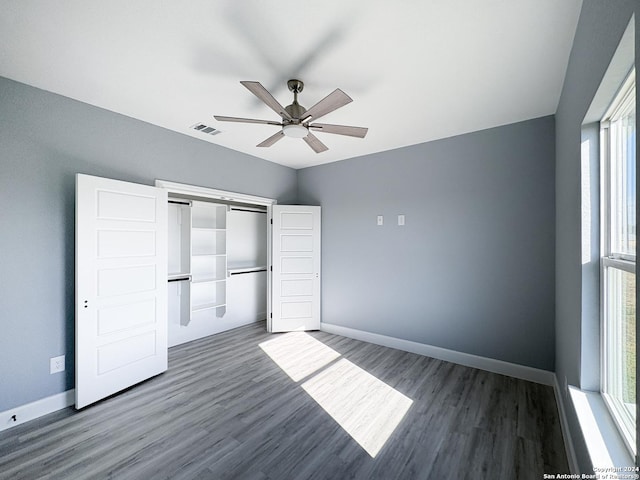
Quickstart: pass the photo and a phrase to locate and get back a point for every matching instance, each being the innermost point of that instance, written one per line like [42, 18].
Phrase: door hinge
[272, 221]
[271, 268]
[271, 315]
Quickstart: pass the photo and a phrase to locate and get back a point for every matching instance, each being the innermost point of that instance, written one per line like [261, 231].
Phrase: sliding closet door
[295, 279]
[121, 286]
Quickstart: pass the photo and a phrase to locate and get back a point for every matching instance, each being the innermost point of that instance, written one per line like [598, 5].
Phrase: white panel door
[295, 281]
[121, 286]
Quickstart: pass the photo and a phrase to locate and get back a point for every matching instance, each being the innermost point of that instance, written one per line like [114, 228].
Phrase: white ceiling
[417, 70]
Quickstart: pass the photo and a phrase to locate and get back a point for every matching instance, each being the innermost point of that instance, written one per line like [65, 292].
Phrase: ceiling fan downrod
[295, 109]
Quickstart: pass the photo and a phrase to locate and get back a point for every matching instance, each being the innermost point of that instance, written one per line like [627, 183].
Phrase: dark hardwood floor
[249, 405]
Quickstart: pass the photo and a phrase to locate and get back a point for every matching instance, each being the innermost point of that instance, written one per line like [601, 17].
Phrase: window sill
[605, 444]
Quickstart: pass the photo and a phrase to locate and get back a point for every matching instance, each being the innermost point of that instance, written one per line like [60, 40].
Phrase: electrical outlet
[56, 364]
[380, 220]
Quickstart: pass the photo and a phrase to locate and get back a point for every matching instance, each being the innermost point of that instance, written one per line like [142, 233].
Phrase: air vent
[201, 127]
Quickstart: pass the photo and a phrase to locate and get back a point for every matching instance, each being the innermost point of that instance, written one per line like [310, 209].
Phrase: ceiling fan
[296, 120]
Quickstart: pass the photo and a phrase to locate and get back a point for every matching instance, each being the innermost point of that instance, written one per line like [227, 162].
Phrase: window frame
[623, 101]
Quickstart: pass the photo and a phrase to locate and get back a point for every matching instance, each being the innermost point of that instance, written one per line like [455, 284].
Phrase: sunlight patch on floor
[368, 409]
[299, 354]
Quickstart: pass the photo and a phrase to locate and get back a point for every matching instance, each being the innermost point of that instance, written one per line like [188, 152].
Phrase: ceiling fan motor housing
[296, 111]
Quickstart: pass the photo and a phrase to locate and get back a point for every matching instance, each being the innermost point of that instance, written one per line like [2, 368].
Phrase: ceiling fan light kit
[295, 130]
[296, 119]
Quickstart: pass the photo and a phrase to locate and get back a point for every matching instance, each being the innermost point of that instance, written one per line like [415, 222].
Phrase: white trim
[612, 161]
[620, 264]
[619, 67]
[605, 444]
[33, 410]
[621, 102]
[184, 189]
[564, 426]
[531, 374]
[269, 267]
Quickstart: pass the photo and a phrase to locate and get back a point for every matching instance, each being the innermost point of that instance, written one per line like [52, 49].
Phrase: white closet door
[121, 286]
[295, 287]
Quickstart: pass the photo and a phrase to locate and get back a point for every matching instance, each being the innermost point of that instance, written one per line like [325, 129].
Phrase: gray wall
[45, 140]
[601, 25]
[472, 270]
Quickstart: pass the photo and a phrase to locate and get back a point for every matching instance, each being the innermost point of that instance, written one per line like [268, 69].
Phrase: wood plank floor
[245, 404]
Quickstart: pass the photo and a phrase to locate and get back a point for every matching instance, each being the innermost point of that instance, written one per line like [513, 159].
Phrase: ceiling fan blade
[263, 94]
[359, 132]
[314, 143]
[328, 104]
[271, 140]
[222, 118]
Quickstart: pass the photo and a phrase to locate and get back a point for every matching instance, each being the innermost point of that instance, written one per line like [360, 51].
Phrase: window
[618, 264]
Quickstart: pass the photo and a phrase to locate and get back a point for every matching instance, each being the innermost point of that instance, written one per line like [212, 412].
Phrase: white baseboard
[564, 426]
[531, 374]
[47, 405]
[31, 411]
[536, 375]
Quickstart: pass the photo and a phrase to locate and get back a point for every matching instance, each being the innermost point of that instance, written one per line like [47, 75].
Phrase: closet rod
[250, 271]
[180, 202]
[181, 279]
[236, 209]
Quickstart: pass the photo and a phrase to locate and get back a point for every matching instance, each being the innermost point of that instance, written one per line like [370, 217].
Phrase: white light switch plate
[380, 220]
[400, 219]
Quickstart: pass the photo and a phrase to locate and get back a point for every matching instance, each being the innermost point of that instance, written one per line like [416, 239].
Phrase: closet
[161, 265]
[217, 267]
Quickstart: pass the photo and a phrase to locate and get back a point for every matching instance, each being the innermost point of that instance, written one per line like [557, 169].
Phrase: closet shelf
[209, 229]
[208, 254]
[207, 279]
[207, 306]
